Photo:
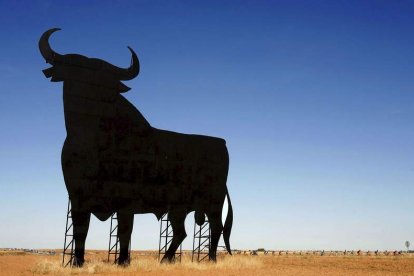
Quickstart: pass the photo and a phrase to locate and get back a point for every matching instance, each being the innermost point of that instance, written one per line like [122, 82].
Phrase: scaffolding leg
[69, 241]
[201, 241]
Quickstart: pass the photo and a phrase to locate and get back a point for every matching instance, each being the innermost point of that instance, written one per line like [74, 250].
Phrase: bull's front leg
[125, 225]
[80, 230]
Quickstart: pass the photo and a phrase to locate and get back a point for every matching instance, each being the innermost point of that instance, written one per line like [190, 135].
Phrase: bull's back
[193, 162]
[198, 149]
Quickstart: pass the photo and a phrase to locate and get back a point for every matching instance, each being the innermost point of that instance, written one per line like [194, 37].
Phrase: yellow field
[19, 263]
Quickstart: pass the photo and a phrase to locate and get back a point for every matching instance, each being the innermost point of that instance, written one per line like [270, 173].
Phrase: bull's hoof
[124, 262]
[167, 260]
[77, 262]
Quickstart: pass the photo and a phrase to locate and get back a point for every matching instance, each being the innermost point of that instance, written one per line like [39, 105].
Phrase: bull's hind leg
[125, 224]
[177, 219]
[216, 227]
[80, 230]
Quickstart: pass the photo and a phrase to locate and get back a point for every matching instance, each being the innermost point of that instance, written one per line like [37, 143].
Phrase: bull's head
[79, 68]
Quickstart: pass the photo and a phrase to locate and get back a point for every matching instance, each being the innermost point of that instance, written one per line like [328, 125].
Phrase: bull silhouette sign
[113, 160]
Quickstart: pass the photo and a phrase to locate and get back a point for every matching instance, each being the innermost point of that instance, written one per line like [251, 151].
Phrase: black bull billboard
[113, 160]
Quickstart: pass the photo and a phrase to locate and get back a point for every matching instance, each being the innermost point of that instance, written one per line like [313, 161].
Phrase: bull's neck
[83, 113]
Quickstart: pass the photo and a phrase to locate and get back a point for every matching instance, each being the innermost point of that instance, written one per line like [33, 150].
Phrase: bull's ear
[51, 73]
[48, 72]
[122, 88]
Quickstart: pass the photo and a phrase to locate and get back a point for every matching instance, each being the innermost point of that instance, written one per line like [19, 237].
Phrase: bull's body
[113, 160]
[136, 167]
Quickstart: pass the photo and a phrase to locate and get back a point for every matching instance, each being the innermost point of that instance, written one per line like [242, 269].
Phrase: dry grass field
[20, 263]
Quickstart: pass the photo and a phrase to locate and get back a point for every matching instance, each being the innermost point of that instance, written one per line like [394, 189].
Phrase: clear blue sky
[314, 98]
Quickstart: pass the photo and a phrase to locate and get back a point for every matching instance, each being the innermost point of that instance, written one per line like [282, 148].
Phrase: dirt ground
[19, 263]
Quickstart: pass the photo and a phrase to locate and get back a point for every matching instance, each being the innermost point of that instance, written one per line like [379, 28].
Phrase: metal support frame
[69, 240]
[114, 246]
[201, 241]
[166, 236]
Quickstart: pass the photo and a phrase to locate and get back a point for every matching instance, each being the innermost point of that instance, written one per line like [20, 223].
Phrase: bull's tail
[228, 223]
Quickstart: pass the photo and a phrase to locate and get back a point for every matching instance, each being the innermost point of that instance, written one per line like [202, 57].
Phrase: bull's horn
[48, 54]
[128, 73]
